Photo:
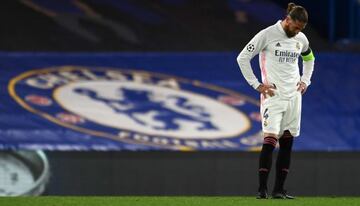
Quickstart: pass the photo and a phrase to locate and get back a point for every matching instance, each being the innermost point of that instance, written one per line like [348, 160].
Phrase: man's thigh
[272, 112]
[292, 117]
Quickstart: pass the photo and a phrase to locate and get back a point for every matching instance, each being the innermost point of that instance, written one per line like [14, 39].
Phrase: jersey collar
[280, 28]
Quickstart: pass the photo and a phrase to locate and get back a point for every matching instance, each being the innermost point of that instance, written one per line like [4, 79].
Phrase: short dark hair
[297, 13]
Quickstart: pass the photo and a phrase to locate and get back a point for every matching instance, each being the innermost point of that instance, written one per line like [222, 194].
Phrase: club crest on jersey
[140, 107]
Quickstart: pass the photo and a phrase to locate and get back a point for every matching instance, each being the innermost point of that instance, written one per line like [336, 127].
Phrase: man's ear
[287, 19]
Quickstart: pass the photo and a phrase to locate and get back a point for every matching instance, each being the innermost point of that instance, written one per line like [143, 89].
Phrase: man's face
[292, 27]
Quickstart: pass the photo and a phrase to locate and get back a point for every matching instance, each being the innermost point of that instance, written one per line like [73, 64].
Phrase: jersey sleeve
[256, 44]
[308, 62]
[305, 43]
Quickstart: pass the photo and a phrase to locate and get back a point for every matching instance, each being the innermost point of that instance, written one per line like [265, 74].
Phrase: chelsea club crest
[141, 107]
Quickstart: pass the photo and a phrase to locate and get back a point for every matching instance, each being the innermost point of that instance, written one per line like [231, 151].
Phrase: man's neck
[282, 23]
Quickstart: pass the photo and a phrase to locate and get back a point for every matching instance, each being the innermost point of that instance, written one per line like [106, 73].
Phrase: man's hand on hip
[301, 87]
[266, 90]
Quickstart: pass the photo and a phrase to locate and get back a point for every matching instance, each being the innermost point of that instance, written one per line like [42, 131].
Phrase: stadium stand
[91, 25]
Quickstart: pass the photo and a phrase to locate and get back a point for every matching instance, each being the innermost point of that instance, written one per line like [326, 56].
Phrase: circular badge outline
[67, 68]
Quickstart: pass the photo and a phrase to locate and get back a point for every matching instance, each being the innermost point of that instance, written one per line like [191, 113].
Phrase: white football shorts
[279, 115]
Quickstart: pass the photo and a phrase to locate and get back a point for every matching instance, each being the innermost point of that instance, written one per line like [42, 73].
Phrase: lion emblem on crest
[134, 102]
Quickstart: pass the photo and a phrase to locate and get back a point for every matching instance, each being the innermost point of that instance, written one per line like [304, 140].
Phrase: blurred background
[135, 97]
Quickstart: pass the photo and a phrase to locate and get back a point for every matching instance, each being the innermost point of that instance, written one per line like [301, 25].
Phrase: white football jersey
[278, 59]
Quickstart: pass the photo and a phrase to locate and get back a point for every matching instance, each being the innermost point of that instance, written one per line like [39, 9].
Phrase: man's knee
[270, 139]
[286, 141]
[271, 135]
[286, 134]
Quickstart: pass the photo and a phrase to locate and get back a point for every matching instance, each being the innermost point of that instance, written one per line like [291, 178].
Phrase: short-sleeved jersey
[278, 58]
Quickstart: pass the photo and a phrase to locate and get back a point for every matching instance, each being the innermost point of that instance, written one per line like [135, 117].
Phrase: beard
[289, 33]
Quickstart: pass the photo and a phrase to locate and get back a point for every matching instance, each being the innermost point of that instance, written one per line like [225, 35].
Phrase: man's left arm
[308, 66]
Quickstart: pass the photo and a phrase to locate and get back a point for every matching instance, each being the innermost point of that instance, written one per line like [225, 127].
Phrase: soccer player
[280, 47]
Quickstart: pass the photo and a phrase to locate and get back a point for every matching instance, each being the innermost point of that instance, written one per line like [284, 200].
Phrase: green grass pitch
[174, 201]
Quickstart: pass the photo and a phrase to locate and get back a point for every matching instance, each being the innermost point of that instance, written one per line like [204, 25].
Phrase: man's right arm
[253, 48]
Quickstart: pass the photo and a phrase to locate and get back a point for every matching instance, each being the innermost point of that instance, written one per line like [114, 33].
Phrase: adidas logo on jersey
[278, 44]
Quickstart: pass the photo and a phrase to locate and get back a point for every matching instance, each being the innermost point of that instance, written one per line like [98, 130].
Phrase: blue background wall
[331, 107]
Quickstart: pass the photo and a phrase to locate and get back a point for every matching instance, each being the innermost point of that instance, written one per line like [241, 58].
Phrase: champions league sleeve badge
[140, 108]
